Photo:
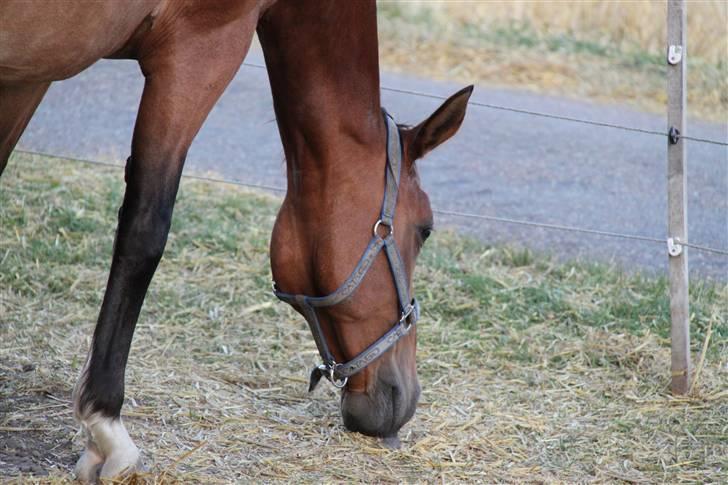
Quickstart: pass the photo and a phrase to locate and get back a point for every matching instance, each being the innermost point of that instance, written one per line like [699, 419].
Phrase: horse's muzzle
[381, 411]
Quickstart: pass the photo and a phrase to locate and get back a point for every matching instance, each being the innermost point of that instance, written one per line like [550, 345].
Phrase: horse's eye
[425, 233]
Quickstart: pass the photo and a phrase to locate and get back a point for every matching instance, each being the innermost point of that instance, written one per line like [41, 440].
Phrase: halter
[338, 373]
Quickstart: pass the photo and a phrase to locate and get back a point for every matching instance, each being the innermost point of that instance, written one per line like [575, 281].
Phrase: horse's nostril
[366, 415]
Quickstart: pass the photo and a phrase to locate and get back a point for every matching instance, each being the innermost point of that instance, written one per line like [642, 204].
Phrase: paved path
[500, 163]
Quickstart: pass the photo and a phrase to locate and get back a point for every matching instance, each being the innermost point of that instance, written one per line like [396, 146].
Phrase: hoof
[88, 467]
[109, 453]
[92, 467]
[121, 464]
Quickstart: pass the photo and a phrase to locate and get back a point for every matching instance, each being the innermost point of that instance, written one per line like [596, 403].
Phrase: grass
[532, 371]
[603, 50]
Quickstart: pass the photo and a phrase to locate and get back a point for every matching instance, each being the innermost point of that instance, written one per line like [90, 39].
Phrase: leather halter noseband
[336, 372]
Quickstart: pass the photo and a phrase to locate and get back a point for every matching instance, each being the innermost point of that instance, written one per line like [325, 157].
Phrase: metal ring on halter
[330, 369]
[339, 384]
[382, 223]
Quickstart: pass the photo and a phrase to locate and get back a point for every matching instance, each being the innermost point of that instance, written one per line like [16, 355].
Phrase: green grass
[531, 290]
[531, 370]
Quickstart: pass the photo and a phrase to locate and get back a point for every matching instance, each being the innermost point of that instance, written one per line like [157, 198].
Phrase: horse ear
[440, 126]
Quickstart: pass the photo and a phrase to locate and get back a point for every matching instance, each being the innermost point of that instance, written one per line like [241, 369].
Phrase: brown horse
[343, 159]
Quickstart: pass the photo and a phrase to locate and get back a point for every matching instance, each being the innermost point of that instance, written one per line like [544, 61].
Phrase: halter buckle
[405, 316]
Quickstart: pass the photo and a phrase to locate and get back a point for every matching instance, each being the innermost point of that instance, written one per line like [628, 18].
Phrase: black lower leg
[144, 222]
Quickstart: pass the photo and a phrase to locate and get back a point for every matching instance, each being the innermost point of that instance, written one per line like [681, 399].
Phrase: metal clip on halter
[404, 319]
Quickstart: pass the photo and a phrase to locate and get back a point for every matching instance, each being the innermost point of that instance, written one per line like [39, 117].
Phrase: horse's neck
[323, 66]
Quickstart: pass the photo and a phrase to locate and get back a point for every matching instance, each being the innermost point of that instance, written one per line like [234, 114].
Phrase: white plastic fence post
[677, 196]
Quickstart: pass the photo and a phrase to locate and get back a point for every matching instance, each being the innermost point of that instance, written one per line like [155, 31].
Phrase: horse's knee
[142, 236]
[145, 246]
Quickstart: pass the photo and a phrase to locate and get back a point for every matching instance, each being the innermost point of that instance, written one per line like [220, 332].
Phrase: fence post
[677, 196]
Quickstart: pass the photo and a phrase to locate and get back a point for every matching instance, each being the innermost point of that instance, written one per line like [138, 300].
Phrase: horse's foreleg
[177, 98]
[17, 105]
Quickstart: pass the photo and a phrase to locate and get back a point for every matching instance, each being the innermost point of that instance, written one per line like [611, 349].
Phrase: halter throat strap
[339, 373]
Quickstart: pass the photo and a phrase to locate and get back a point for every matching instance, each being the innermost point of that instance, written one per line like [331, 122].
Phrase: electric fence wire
[467, 215]
[538, 113]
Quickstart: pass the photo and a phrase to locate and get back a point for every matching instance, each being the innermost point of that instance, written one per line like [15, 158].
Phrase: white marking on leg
[92, 459]
[109, 451]
[108, 438]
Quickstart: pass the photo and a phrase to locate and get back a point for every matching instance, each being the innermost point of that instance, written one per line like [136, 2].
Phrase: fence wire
[252, 185]
[466, 215]
[538, 113]
[559, 227]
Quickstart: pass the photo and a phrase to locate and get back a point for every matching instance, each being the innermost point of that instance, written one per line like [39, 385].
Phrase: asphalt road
[500, 163]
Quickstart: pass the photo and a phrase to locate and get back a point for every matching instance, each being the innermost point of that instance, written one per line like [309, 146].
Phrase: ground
[531, 370]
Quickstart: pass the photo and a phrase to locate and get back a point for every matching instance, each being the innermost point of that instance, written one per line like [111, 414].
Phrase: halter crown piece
[338, 373]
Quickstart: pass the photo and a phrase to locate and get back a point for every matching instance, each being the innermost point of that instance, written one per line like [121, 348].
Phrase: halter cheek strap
[339, 373]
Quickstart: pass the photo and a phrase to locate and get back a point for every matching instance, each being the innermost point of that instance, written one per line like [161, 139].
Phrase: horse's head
[338, 247]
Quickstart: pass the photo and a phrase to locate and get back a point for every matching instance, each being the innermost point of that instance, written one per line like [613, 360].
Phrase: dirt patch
[36, 424]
